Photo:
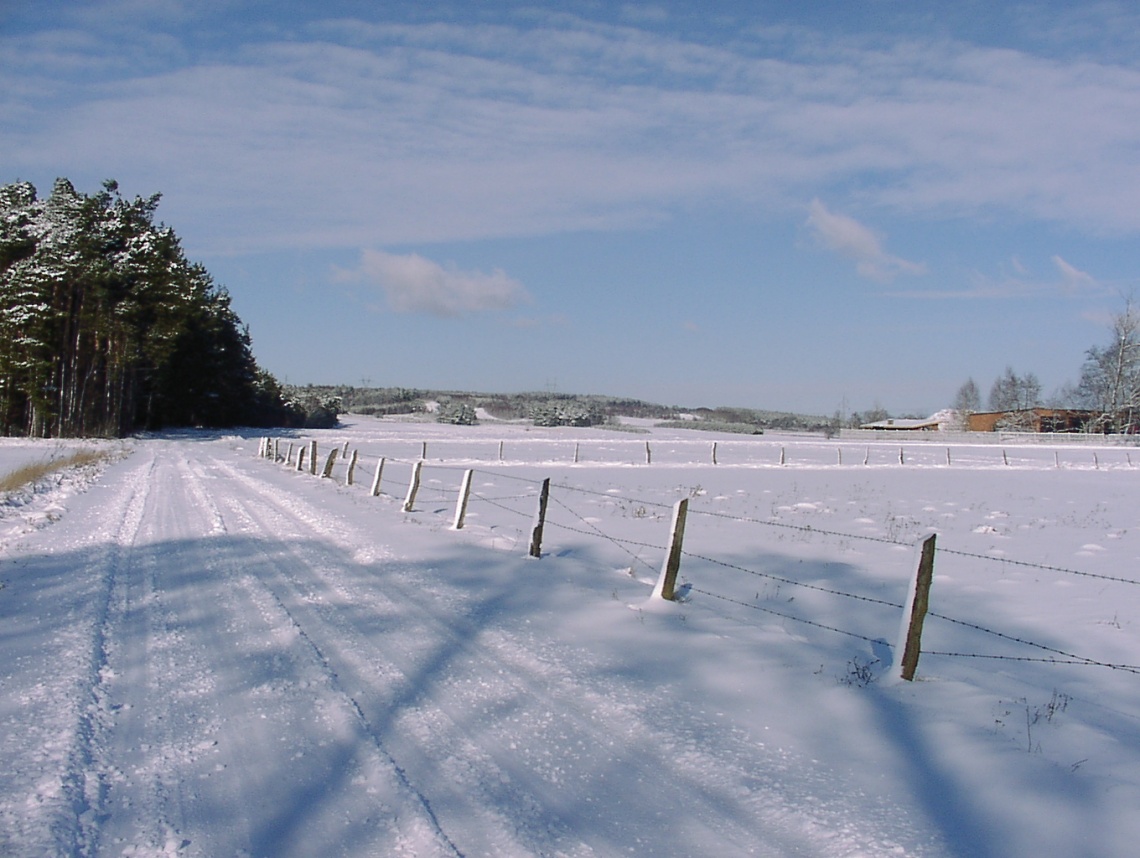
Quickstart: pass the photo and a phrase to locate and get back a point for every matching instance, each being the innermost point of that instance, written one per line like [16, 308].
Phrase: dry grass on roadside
[27, 474]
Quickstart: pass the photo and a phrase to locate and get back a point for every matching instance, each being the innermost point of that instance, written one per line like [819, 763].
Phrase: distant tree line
[107, 328]
[556, 409]
[544, 409]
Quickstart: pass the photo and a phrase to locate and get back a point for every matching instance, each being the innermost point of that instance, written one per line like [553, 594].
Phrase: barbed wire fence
[520, 506]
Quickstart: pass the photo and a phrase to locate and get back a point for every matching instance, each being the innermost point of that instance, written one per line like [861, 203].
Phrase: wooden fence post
[783, 458]
[344, 452]
[648, 454]
[500, 451]
[575, 452]
[329, 462]
[375, 490]
[289, 455]
[423, 451]
[539, 520]
[839, 455]
[351, 468]
[902, 458]
[915, 610]
[1004, 457]
[461, 504]
[947, 456]
[313, 457]
[301, 458]
[867, 456]
[714, 453]
[667, 581]
[276, 449]
[413, 486]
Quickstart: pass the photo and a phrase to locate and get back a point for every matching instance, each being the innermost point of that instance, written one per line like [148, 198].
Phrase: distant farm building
[904, 425]
[1031, 420]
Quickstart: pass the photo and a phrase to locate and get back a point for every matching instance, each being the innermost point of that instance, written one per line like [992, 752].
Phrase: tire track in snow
[85, 778]
[472, 796]
[278, 596]
[412, 828]
[158, 689]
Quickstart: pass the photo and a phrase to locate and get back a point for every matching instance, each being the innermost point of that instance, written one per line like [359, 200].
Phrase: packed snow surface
[207, 652]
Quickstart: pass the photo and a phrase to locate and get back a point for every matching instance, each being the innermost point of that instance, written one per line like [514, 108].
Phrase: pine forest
[106, 328]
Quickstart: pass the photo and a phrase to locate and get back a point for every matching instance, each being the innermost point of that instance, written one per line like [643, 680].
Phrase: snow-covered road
[211, 655]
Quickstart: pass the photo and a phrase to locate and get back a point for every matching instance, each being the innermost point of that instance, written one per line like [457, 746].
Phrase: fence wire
[787, 616]
[1057, 656]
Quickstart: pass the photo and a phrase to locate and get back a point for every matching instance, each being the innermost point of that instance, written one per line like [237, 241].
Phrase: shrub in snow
[457, 413]
[567, 412]
[320, 417]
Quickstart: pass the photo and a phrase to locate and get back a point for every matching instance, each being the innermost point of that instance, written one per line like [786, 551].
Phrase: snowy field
[207, 653]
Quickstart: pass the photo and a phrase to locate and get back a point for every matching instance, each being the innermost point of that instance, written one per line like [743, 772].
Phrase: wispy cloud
[851, 239]
[1072, 278]
[1021, 283]
[396, 133]
[413, 284]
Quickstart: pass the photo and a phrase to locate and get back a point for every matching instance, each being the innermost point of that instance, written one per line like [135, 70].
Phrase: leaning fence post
[313, 457]
[461, 504]
[915, 611]
[301, 458]
[289, 455]
[667, 581]
[413, 486]
[344, 452]
[539, 520]
[329, 462]
[500, 451]
[351, 467]
[375, 490]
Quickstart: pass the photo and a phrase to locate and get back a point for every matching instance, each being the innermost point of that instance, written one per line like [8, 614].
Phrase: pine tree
[106, 327]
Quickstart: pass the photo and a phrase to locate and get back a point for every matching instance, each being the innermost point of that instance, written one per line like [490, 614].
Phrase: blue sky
[801, 206]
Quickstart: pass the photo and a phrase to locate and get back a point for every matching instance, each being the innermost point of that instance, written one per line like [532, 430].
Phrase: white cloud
[1019, 285]
[851, 239]
[413, 284]
[1072, 278]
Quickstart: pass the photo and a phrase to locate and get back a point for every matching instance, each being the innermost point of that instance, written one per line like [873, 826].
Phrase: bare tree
[967, 401]
[1012, 392]
[1016, 396]
[1110, 377]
